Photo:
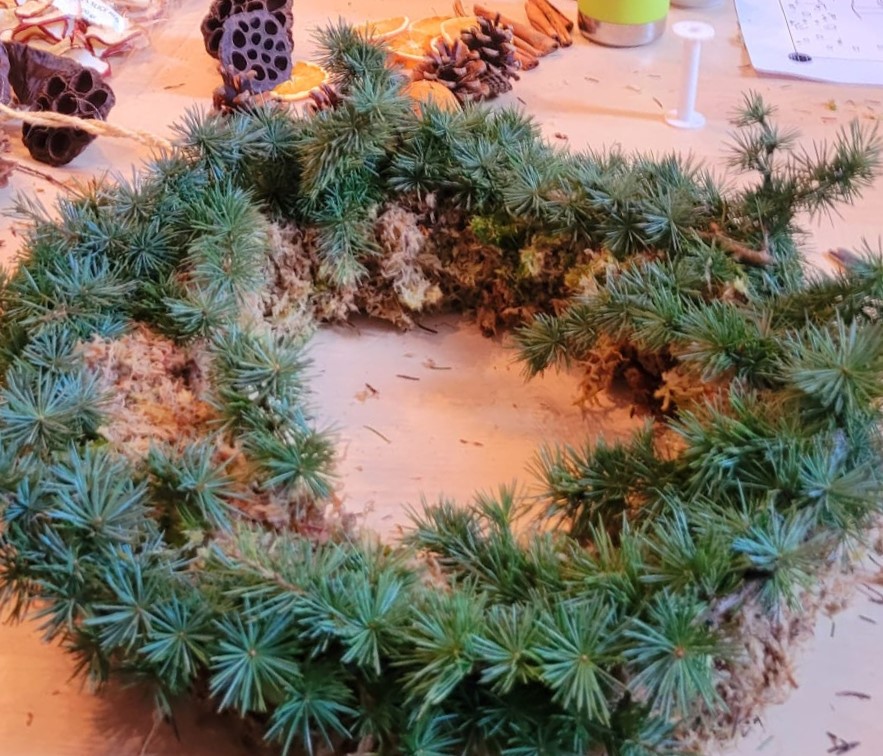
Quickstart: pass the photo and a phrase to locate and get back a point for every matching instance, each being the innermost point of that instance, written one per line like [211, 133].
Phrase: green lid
[624, 11]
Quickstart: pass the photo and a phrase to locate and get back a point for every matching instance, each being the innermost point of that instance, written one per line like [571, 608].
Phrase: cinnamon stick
[556, 20]
[542, 42]
[526, 47]
[538, 21]
[552, 11]
[526, 60]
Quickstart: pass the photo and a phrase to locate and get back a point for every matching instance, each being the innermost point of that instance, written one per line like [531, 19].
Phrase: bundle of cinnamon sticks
[546, 18]
[547, 29]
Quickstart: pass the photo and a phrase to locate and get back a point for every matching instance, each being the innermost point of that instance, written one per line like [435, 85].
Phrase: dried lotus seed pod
[5, 88]
[30, 67]
[77, 92]
[212, 27]
[256, 51]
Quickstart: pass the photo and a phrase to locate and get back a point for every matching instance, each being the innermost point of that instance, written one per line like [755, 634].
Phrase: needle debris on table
[854, 694]
[839, 745]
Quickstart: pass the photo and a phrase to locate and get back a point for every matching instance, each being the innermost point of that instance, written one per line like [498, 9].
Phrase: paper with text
[839, 41]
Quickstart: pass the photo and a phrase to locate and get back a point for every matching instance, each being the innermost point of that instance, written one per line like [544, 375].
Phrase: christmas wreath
[164, 481]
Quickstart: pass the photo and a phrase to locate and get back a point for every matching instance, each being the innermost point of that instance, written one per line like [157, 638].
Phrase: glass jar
[622, 23]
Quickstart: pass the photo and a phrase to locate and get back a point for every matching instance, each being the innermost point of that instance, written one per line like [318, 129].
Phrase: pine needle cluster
[607, 634]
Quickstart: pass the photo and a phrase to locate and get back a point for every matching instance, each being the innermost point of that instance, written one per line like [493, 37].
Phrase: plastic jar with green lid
[622, 23]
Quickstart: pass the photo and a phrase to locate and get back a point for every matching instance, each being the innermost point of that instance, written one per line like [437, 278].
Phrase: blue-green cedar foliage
[605, 632]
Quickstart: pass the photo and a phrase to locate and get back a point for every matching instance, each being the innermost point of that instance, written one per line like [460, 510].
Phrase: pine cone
[236, 93]
[492, 41]
[324, 97]
[458, 68]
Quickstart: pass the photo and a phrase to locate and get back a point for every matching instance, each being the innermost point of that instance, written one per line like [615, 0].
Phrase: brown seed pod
[45, 82]
[255, 54]
[83, 95]
[5, 88]
[212, 27]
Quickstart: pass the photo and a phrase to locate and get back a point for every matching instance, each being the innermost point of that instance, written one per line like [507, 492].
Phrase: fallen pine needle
[431, 365]
[407, 377]
[877, 597]
[377, 433]
[766, 742]
[867, 619]
[154, 728]
[854, 694]
[839, 745]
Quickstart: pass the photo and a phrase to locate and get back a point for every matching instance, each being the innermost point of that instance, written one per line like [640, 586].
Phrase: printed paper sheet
[830, 40]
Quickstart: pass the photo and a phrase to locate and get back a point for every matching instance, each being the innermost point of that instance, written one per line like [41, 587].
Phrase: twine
[89, 125]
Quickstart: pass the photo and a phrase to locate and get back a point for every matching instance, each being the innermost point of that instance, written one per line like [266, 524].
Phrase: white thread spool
[694, 33]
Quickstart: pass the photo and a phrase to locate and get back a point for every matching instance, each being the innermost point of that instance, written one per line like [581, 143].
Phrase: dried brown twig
[715, 235]
[29, 171]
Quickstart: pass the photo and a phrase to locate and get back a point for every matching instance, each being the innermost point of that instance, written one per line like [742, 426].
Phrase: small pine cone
[324, 97]
[236, 92]
[492, 41]
[497, 83]
[457, 68]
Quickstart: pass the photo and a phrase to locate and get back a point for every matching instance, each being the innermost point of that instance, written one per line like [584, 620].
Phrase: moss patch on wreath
[685, 561]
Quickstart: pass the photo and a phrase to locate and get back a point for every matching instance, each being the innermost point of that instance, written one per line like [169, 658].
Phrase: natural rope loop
[89, 125]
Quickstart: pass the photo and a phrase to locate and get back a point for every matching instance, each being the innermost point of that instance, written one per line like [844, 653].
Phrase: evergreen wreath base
[669, 573]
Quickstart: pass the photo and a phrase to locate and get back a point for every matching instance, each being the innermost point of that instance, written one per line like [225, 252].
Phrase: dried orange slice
[305, 77]
[431, 25]
[410, 46]
[384, 28]
[431, 91]
[454, 27]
